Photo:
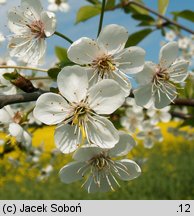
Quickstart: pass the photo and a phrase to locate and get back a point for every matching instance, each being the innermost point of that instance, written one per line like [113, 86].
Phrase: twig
[183, 102]
[64, 37]
[161, 16]
[22, 68]
[181, 115]
[101, 16]
[125, 4]
[20, 98]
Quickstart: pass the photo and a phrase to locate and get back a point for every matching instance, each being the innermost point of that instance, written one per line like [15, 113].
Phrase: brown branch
[130, 2]
[20, 98]
[181, 115]
[183, 102]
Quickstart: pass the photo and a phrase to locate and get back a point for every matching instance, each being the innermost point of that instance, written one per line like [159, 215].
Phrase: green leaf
[61, 54]
[189, 88]
[143, 17]
[11, 76]
[110, 4]
[138, 9]
[188, 122]
[54, 90]
[93, 1]
[136, 37]
[53, 72]
[185, 14]
[87, 12]
[162, 6]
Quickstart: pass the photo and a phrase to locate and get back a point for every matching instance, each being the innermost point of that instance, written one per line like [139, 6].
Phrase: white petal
[83, 51]
[16, 131]
[9, 90]
[165, 117]
[27, 139]
[69, 173]
[105, 97]
[162, 99]
[123, 81]
[91, 186]
[64, 7]
[102, 132]
[51, 109]
[146, 75]
[178, 71]
[67, 138]
[49, 21]
[17, 21]
[53, 7]
[73, 83]
[131, 170]
[4, 116]
[168, 54]
[141, 135]
[32, 7]
[113, 38]
[130, 60]
[143, 95]
[123, 147]
[86, 153]
[19, 45]
[107, 183]
[148, 142]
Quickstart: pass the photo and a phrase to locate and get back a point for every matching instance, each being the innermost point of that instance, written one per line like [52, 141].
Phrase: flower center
[104, 65]
[37, 28]
[58, 2]
[80, 113]
[100, 162]
[17, 117]
[160, 76]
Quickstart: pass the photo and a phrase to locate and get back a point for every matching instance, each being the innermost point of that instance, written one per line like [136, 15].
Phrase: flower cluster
[89, 92]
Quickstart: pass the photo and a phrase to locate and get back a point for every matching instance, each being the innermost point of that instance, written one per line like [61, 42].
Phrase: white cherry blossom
[31, 25]
[158, 81]
[107, 56]
[159, 115]
[58, 5]
[45, 172]
[79, 108]
[184, 42]
[131, 102]
[12, 120]
[98, 169]
[6, 87]
[132, 120]
[150, 134]
[170, 36]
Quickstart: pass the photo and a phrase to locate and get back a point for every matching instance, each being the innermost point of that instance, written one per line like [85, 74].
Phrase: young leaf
[93, 1]
[53, 72]
[143, 17]
[138, 9]
[136, 37]
[11, 76]
[185, 14]
[61, 54]
[87, 12]
[110, 4]
[162, 6]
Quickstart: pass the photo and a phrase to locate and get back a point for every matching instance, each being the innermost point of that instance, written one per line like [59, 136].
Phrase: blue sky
[66, 25]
